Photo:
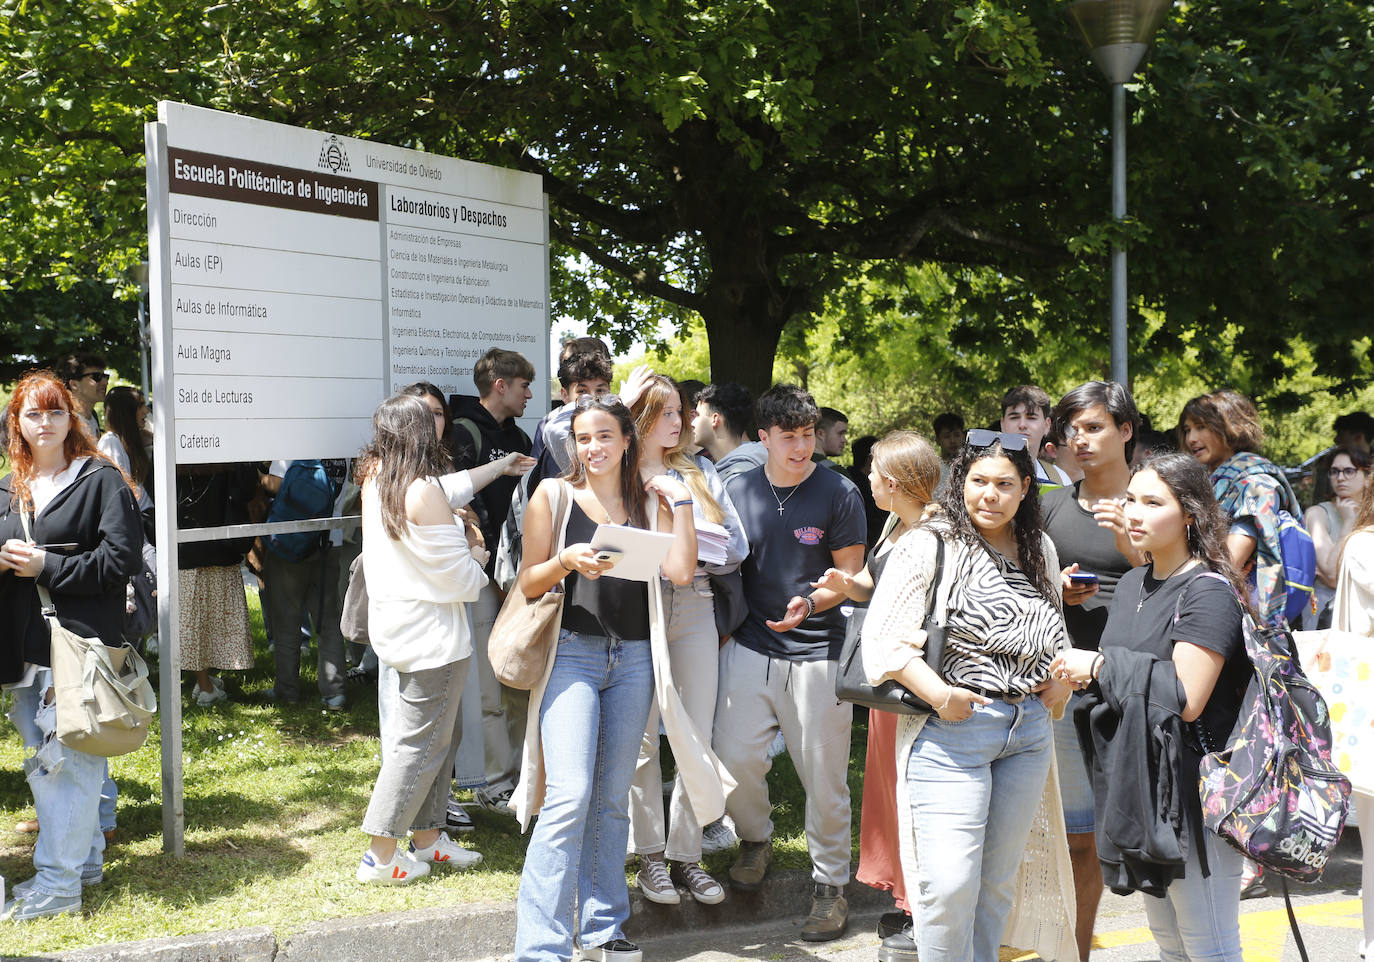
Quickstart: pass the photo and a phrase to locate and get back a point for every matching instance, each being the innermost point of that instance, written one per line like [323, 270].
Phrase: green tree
[747, 162]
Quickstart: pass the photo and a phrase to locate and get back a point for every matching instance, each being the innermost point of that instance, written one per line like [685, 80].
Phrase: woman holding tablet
[588, 716]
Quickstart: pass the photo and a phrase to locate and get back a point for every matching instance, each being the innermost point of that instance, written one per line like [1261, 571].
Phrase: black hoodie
[497, 441]
[97, 513]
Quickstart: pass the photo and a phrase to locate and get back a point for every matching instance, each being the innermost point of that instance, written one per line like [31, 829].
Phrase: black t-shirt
[613, 607]
[790, 550]
[1142, 618]
[1078, 538]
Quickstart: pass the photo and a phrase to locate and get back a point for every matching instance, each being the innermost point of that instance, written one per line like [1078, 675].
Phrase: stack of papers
[711, 541]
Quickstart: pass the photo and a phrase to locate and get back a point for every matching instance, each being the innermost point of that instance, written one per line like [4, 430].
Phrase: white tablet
[642, 551]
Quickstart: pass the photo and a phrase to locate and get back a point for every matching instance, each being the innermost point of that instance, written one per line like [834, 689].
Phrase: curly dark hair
[1026, 525]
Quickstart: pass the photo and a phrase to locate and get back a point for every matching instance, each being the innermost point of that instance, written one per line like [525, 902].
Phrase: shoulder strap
[1178, 605]
[45, 599]
[937, 597]
[560, 500]
[471, 427]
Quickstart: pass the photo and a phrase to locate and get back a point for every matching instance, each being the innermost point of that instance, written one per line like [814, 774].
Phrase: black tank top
[612, 607]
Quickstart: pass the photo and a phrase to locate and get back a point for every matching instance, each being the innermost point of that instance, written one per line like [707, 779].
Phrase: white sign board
[311, 274]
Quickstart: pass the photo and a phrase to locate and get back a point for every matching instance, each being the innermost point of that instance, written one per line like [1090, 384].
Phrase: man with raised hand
[777, 673]
[1087, 524]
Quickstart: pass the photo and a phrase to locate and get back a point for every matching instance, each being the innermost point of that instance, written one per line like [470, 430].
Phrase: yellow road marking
[1262, 934]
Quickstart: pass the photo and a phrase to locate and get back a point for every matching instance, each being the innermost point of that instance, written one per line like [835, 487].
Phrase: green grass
[274, 798]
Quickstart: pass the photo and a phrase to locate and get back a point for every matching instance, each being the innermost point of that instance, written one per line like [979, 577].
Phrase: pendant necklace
[1145, 596]
[782, 501]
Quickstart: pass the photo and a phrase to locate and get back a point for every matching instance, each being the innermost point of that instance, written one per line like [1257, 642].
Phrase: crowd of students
[1069, 555]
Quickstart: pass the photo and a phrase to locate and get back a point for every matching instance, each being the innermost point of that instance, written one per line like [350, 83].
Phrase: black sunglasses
[980, 438]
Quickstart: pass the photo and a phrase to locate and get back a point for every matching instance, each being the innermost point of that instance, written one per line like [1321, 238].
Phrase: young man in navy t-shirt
[777, 673]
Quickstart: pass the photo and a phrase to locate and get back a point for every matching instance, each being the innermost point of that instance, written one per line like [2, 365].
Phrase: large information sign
[297, 278]
[310, 274]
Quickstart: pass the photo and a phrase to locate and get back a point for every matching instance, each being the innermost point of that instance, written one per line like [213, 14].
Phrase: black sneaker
[457, 819]
[617, 950]
[891, 923]
[900, 947]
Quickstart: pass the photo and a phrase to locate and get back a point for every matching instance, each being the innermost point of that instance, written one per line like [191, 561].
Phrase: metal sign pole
[165, 484]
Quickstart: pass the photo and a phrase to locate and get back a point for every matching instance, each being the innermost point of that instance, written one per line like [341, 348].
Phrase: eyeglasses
[36, 416]
[980, 438]
[97, 375]
[1340, 473]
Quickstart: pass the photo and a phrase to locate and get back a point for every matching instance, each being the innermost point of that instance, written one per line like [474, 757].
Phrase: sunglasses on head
[980, 438]
[594, 400]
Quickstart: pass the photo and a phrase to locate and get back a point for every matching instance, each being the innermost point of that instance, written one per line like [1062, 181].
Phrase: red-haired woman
[84, 543]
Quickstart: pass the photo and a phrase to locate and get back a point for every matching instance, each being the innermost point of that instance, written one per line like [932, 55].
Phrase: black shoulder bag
[851, 684]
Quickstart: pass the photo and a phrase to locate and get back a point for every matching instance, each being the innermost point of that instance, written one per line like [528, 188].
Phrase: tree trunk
[743, 344]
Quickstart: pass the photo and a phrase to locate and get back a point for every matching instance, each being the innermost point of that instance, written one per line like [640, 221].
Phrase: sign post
[296, 279]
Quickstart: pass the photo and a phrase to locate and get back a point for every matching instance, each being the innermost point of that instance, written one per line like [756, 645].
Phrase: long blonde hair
[647, 409]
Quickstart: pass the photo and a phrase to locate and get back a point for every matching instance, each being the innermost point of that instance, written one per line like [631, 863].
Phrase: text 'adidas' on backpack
[1273, 792]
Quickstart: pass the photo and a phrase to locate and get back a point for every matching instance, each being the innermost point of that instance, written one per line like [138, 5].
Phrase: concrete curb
[235, 945]
[471, 932]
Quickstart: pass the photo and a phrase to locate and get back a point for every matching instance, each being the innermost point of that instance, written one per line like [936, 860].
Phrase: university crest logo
[333, 158]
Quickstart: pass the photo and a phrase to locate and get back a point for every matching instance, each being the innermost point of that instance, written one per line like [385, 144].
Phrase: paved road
[1328, 916]
[1330, 924]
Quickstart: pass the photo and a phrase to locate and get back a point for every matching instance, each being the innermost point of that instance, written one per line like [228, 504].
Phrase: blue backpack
[305, 493]
[1299, 556]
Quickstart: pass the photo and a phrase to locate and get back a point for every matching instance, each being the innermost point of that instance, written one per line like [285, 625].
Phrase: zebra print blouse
[1001, 634]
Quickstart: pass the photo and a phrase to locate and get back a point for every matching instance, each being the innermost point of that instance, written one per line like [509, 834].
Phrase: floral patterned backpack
[1272, 792]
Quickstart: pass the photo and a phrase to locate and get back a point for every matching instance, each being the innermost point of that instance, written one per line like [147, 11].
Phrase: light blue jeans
[975, 788]
[1198, 919]
[66, 786]
[1075, 787]
[591, 723]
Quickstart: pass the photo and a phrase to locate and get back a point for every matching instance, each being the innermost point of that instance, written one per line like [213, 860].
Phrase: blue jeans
[1075, 787]
[66, 787]
[591, 723]
[1198, 919]
[975, 788]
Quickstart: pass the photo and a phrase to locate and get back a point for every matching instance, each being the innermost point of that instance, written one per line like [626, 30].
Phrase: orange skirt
[880, 862]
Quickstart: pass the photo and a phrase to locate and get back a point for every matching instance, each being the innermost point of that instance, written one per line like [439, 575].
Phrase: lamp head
[1118, 32]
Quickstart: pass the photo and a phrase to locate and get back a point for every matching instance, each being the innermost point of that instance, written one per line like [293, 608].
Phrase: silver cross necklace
[782, 501]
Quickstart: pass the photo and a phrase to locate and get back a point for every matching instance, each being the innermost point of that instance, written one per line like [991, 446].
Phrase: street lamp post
[139, 273]
[1118, 33]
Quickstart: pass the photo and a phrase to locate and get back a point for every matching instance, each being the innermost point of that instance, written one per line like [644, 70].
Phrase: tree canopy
[759, 164]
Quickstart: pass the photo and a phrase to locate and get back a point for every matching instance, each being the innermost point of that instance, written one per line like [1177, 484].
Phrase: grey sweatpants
[760, 696]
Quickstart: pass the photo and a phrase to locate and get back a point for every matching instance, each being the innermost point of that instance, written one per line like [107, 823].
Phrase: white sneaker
[403, 868]
[718, 836]
[445, 851]
[207, 698]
